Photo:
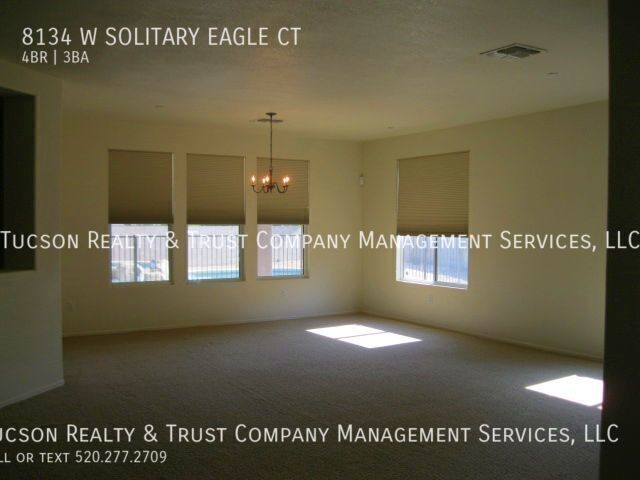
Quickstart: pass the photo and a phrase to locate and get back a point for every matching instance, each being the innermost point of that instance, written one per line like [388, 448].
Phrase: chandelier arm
[284, 188]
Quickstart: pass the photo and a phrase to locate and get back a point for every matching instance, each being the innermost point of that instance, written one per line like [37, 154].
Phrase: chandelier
[268, 185]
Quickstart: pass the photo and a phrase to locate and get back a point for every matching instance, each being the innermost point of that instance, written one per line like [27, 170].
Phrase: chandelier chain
[268, 185]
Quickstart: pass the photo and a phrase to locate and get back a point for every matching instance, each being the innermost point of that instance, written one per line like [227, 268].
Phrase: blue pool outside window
[281, 251]
[214, 253]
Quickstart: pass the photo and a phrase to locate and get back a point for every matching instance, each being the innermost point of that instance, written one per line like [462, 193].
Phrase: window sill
[140, 284]
[215, 281]
[435, 284]
[284, 277]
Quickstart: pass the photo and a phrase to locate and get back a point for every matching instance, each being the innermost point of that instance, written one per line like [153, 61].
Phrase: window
[140, 212]
[437, 260]
[433, 220]
[215, 216]
[282, 221]
[281, 251]
[214, 252]
[139, 253]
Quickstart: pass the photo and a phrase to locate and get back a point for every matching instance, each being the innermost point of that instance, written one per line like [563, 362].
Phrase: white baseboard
[485, 336]
[217, 324]
[31, 393]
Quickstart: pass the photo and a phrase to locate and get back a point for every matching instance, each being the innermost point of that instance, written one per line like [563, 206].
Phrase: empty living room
[319, 239]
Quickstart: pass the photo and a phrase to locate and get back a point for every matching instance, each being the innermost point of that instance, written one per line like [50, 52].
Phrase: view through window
[139, 253]
[280, 251]
[442, 260]
[214, 252]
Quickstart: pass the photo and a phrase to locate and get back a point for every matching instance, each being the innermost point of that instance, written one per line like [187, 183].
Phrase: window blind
[215, 190]
[433, 195]
[291, 208]
[140, 187]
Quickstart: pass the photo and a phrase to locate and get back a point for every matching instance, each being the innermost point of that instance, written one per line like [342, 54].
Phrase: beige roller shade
[215, 190]
[287, 208]
[433, 195]
[140, 187]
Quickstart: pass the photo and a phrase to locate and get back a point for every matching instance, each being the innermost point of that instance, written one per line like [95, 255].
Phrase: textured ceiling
[361, 67]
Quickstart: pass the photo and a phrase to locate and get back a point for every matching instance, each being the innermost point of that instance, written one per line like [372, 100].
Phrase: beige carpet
[278, 374]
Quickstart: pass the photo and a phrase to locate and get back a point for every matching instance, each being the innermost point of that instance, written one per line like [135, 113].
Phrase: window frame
[241, 259]
[305, 257]
[435, 282]
[170, 264]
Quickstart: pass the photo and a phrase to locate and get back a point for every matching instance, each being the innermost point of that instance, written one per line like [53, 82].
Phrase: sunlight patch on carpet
[342, 331]
[583, 390]
[363, 336]
[377, 340]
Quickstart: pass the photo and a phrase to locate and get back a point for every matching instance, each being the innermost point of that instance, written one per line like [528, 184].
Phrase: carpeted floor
[278, 374]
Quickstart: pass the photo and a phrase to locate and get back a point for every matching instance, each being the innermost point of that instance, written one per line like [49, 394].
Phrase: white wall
[92, 305]
[30, 320]
[540, 173]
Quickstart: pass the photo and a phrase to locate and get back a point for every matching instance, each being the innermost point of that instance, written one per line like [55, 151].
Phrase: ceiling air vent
[513, 51]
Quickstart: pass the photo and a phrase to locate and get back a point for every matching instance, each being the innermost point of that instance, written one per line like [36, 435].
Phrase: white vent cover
[513, 51]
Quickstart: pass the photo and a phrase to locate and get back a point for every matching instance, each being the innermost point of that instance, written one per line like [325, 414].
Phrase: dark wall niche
[17, 180]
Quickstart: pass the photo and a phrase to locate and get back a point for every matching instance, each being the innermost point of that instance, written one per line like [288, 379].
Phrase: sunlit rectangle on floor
[583, 390]
[376, 340]
[342, 331]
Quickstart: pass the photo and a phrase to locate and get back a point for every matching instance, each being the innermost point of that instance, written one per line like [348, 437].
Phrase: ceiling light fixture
[514, 51]
[268, 185]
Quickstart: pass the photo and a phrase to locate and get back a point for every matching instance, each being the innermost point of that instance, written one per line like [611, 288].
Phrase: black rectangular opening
[17, 178]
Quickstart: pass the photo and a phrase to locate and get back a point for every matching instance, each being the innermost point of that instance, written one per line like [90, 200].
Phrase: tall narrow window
[433, 206]
[282, 221]
[140, 214]
[215, 216]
